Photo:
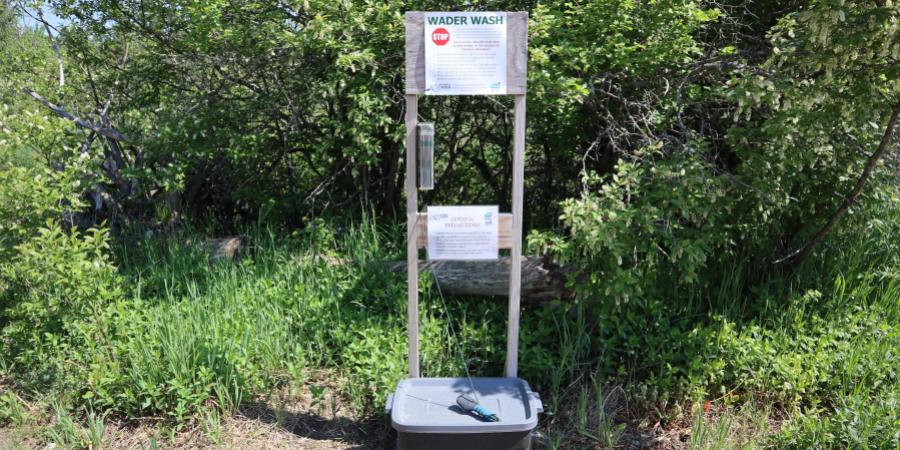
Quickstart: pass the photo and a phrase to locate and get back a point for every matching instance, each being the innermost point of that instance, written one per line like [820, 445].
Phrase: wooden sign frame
[516, 84]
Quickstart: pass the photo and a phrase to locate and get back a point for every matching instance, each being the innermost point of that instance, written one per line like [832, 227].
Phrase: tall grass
[198, 333]
[194, 338]
[202, 332]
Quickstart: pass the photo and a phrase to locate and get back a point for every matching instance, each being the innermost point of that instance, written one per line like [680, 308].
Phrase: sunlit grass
[192, 339]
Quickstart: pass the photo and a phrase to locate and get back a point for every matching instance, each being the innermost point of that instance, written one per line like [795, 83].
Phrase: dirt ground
[289, 419]
[236, 433]
[259, 428]
[292, 419]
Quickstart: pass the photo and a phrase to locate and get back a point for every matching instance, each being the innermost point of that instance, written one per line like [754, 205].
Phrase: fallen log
[222, 249]
[542, 280]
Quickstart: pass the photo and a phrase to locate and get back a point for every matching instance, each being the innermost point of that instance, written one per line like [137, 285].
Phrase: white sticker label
[463, 232]
[465, 53]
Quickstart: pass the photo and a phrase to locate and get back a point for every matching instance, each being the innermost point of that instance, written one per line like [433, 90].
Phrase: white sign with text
[463, 232]
[465, 53]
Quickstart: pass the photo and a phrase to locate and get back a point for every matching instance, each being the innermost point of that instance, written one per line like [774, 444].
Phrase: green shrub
[11, 409]
[857, 421]
[60, 285]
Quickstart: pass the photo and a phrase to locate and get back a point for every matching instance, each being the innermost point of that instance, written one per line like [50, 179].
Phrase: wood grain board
[504, 231]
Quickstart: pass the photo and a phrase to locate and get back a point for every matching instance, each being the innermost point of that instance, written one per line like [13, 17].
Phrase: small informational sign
[462, 232]
[465, 53]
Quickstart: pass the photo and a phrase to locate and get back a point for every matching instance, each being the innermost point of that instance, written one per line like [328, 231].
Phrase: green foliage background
[676, 149]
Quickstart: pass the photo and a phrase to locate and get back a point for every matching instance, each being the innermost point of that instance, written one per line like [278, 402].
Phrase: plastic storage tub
[425, 414]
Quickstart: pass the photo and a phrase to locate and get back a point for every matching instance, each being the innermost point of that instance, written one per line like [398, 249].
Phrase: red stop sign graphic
[440, 36]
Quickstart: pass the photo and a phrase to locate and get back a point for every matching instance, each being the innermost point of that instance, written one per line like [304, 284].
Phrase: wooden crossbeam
[505, 231]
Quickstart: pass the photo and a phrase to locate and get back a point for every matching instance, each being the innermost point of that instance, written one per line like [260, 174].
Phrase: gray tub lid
[428, 405]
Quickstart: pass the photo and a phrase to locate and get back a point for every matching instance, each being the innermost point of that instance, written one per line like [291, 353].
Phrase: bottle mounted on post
[426, 156]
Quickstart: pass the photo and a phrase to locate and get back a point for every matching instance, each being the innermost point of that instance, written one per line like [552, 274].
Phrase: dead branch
[107, 132]
[59, 60]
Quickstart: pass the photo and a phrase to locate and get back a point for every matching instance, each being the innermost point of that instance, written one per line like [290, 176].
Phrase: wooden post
[516, 84]
[515, 270]
[412, 251]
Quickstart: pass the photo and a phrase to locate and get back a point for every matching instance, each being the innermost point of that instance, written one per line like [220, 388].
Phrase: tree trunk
[803, 252]
[542, 281]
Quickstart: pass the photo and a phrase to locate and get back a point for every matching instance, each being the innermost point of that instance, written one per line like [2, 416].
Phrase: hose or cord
[456, 337]
[453, 332]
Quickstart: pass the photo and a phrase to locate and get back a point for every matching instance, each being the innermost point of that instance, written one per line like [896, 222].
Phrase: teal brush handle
[484, 412]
